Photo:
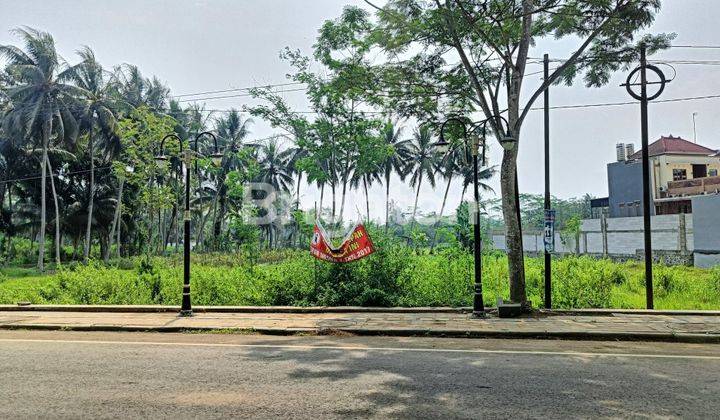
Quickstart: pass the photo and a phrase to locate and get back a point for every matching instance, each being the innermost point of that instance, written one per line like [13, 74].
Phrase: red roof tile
[673, 146]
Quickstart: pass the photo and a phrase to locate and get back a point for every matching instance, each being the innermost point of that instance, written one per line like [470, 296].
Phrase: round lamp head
[442, 146]
[129, 169]
[217, 159]
[162, 162]
[508, 142]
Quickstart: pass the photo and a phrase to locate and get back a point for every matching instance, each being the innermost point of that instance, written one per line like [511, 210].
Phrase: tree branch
[466, 63]
[559, 71]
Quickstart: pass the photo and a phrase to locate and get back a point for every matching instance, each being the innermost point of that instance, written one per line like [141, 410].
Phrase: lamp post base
[186, 312]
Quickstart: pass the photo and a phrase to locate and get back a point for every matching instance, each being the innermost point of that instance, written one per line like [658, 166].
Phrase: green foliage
[394, 276]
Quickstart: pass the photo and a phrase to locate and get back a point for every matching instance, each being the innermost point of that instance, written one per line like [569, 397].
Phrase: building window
[712, 172]
[679, 174]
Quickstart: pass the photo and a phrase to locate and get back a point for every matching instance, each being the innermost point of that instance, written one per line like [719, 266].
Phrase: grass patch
[394, 276]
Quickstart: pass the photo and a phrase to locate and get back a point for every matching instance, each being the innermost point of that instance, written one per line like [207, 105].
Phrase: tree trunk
[442, 208]
[177, 233]
[297, 193]
[332, 219]
[222, 204]
[46, 129]
[342, 200]
[417, 195]
[201, 232]
[367, 200]
[387, 199]
[57, 214]
[116, 219]
[10, 221]
[513, 232]
[322, 194]
[215, 213]
[86, 252]
[119, 228]
[169, 230]
[462, 196]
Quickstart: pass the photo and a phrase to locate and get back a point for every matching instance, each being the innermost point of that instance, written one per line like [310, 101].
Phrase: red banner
[357, 244]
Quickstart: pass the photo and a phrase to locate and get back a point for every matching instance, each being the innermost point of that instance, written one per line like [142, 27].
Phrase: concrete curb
[610, 312]
[396, 332]
[335, 309]
[228, 309]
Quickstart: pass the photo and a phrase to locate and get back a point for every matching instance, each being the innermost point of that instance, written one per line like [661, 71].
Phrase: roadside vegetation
[396, 275]
[80, 181]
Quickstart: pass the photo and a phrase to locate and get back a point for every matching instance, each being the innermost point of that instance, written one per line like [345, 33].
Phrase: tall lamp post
[162, 162]
[443, 146]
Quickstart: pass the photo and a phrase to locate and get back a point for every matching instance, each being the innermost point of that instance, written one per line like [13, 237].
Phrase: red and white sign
[357, 244]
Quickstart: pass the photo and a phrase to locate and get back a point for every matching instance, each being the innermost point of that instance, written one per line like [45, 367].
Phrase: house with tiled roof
[679, 170]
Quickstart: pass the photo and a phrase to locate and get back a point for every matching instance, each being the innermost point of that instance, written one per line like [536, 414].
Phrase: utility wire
[211, 92]
[55, 175]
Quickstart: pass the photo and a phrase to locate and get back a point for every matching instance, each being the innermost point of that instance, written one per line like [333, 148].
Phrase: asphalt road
[129, 375]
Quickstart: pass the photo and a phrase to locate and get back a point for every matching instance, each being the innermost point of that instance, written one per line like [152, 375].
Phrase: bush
[583, 282]
[394, 276]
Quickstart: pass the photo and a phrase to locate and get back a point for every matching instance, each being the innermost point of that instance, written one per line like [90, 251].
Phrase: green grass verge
[394, 276]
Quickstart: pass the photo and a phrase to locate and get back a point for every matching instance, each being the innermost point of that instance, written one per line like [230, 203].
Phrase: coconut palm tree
[396, 162]
[458, 163]
[423, 163]
[134, 90]
[41, 105]
[274, 168]
[231, 130]
[97, 119]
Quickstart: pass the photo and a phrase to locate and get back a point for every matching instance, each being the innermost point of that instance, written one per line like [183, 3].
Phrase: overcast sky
[201, 45]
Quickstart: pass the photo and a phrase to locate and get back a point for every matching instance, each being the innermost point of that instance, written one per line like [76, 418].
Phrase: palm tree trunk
[119, 228]
[57, 214]
[46, 128]
[332, 219]
[367, 200]
[177, 233]
[462, 196]
[86, 252]
[10, 231]
[169, 230]
[219, 220]
[342, 200]
[215, 212]
[442, 208]
[417, 195]
[322, 194]
[297, 193]
[387, 199]
[116, 219]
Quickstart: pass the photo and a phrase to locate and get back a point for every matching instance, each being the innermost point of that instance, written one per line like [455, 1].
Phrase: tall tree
[41, 105]
[424, 163]
[97, 119]
[396, 162]
[473, 55]
[232, 129]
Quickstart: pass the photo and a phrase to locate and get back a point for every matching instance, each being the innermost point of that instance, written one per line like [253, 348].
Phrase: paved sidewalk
[608, 326]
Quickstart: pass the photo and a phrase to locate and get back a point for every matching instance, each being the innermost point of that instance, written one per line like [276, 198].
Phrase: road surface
[129, 375]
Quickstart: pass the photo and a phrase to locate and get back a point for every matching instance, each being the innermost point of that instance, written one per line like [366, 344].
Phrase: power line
[54, 175]
[699, 47]
[211, 92]
[238, 95]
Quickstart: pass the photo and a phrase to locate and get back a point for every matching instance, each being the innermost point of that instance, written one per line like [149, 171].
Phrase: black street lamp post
[161, 160]
[443, 146]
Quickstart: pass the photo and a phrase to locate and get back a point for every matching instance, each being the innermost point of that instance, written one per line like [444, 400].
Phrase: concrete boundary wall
[620, 237]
